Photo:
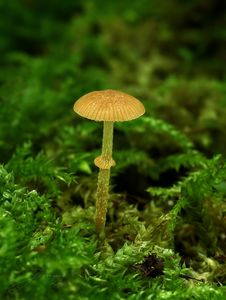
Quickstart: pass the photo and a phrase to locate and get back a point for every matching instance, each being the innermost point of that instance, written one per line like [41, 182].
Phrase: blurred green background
[169, 54]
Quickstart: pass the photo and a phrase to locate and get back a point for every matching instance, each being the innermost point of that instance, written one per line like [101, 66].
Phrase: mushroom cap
[109, 105]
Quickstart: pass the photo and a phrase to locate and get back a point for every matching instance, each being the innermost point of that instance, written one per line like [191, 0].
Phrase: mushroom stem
[104, 177]
[102, 198]
[107, 140]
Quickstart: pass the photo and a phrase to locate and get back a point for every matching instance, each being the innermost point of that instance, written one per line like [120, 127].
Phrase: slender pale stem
[107, 143]
[102, 198]
[104, 178]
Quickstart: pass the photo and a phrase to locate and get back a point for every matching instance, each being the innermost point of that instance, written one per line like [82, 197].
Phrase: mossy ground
[166, 226]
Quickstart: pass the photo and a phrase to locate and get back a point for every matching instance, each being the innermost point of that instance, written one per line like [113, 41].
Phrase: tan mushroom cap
[109, 105]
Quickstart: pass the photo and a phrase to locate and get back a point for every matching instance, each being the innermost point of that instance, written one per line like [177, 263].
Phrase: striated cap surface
[109, 105]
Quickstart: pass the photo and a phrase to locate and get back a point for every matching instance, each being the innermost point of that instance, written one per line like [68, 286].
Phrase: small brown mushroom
[108, 106]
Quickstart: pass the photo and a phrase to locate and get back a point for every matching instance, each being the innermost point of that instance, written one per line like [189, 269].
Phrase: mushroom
[108, 106]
